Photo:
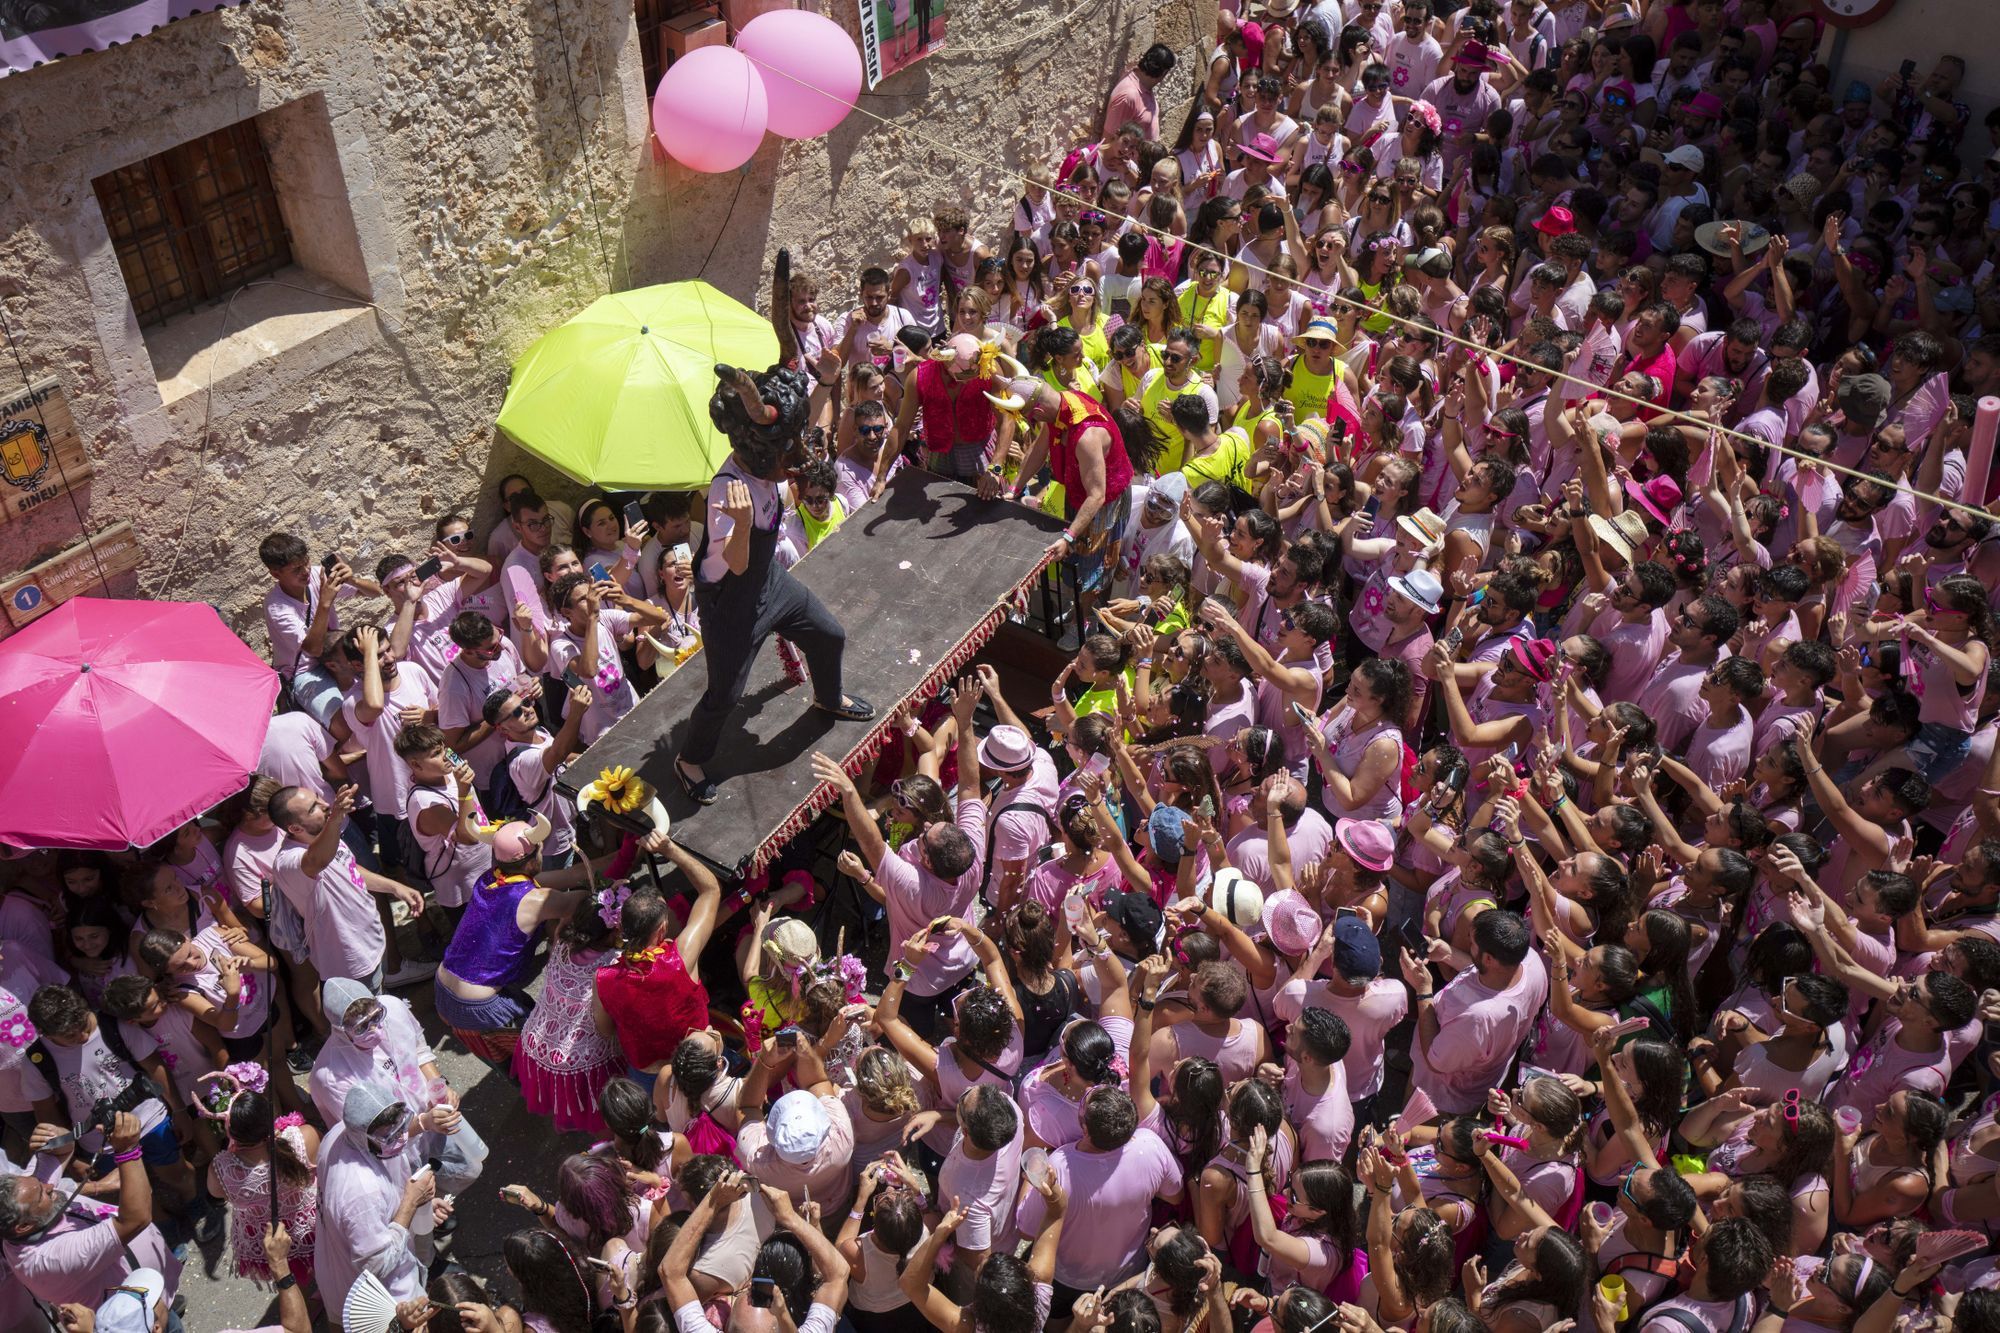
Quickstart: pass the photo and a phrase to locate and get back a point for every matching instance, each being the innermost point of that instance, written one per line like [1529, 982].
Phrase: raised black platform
[920, 579]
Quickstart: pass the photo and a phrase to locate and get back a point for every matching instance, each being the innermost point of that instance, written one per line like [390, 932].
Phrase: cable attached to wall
[583, 139]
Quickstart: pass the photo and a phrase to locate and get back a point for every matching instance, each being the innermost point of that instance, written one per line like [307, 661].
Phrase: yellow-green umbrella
[618, 396]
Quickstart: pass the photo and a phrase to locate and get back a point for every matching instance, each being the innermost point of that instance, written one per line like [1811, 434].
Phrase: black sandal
[702, 791]
[854, 709]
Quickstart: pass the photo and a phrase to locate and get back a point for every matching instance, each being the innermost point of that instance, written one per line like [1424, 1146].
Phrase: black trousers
[735, 622]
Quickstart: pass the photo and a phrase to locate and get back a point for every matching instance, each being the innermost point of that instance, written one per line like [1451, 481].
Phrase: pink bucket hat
[1370, 843]
[1290, 923]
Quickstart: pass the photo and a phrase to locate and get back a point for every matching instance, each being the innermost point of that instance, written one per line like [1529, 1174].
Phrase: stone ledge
[292, 324]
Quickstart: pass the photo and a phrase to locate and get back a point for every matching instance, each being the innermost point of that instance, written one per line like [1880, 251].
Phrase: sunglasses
[882, 429]
[518, 711]
[1317, 344]
[1173, 358]
[816, 501]
[455, 539]
[1348, 166]
[1612, 99]
[1082, 289]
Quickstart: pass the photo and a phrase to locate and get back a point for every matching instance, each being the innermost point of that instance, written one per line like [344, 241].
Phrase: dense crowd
[1517, 843]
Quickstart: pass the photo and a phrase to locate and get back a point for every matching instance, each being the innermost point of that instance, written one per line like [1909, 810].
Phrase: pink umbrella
[121, 721]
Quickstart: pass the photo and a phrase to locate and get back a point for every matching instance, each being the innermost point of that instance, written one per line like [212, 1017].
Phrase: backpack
[288, 928]
[502, 799]
[992, 831]
[1738, 1322]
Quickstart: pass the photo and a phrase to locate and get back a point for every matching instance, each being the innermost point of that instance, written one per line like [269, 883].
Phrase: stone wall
[455, 183]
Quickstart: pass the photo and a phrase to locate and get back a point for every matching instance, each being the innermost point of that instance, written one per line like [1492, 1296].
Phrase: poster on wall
[895, 34]
[34, 32]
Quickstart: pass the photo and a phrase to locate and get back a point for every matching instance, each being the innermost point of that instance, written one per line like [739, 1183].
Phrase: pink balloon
[710, 109]
[811, 69]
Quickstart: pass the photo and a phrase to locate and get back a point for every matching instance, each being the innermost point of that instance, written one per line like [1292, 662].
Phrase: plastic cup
[1613, 1288]
[1600, 1213]
[1034, 1165]
[1848, 1119]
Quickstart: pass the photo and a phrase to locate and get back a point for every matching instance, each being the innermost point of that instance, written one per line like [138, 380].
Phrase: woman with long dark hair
[260, 1142]
[557, 1294]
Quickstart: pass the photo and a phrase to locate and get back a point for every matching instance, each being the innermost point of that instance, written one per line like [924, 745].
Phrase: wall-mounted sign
[40, 451]
[896, 34]
[40, 589]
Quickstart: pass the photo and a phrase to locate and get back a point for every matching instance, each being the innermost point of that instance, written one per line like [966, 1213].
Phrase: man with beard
[62, 1250]
[1697, 633]
[1464, 100]
[1498, 618]
[743, 593]
[1735, 353]
[1649, 351]
[1086, 453]
[1951, 543]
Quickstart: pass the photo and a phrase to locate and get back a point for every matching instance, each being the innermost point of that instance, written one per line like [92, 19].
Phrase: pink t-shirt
[1020, 835]
[827, 1178]
[1309, 839]
[1719, 755]
[343, 932]
[1478, 1029]
[1672, 698]
[1881, 1067]
[388, 775]
[987, 1187]
[461, 702]
[1110, 1207]
[612, 693]
[1369, 1017]
[250, 862]
[294, 748]
[1324, 1122]
[1635, 649]
[915, 897]
[80, 1258]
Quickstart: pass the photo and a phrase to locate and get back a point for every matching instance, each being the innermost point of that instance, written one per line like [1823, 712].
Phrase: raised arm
[860, 820]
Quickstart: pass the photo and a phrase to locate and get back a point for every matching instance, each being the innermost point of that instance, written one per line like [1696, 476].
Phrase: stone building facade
[444, 185]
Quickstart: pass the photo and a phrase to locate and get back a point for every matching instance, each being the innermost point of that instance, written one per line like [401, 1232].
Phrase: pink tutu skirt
[569, 1096]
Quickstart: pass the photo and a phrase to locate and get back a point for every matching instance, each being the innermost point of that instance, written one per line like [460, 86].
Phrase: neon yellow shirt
[1213, 312]
[1157, 402]
[1224, 463]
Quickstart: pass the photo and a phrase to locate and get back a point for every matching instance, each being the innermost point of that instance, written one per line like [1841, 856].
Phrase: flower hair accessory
[226, 1085]
[1428, 114]
[611, 903]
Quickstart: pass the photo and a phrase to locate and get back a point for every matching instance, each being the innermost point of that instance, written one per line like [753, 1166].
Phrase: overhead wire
[1596, 390]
